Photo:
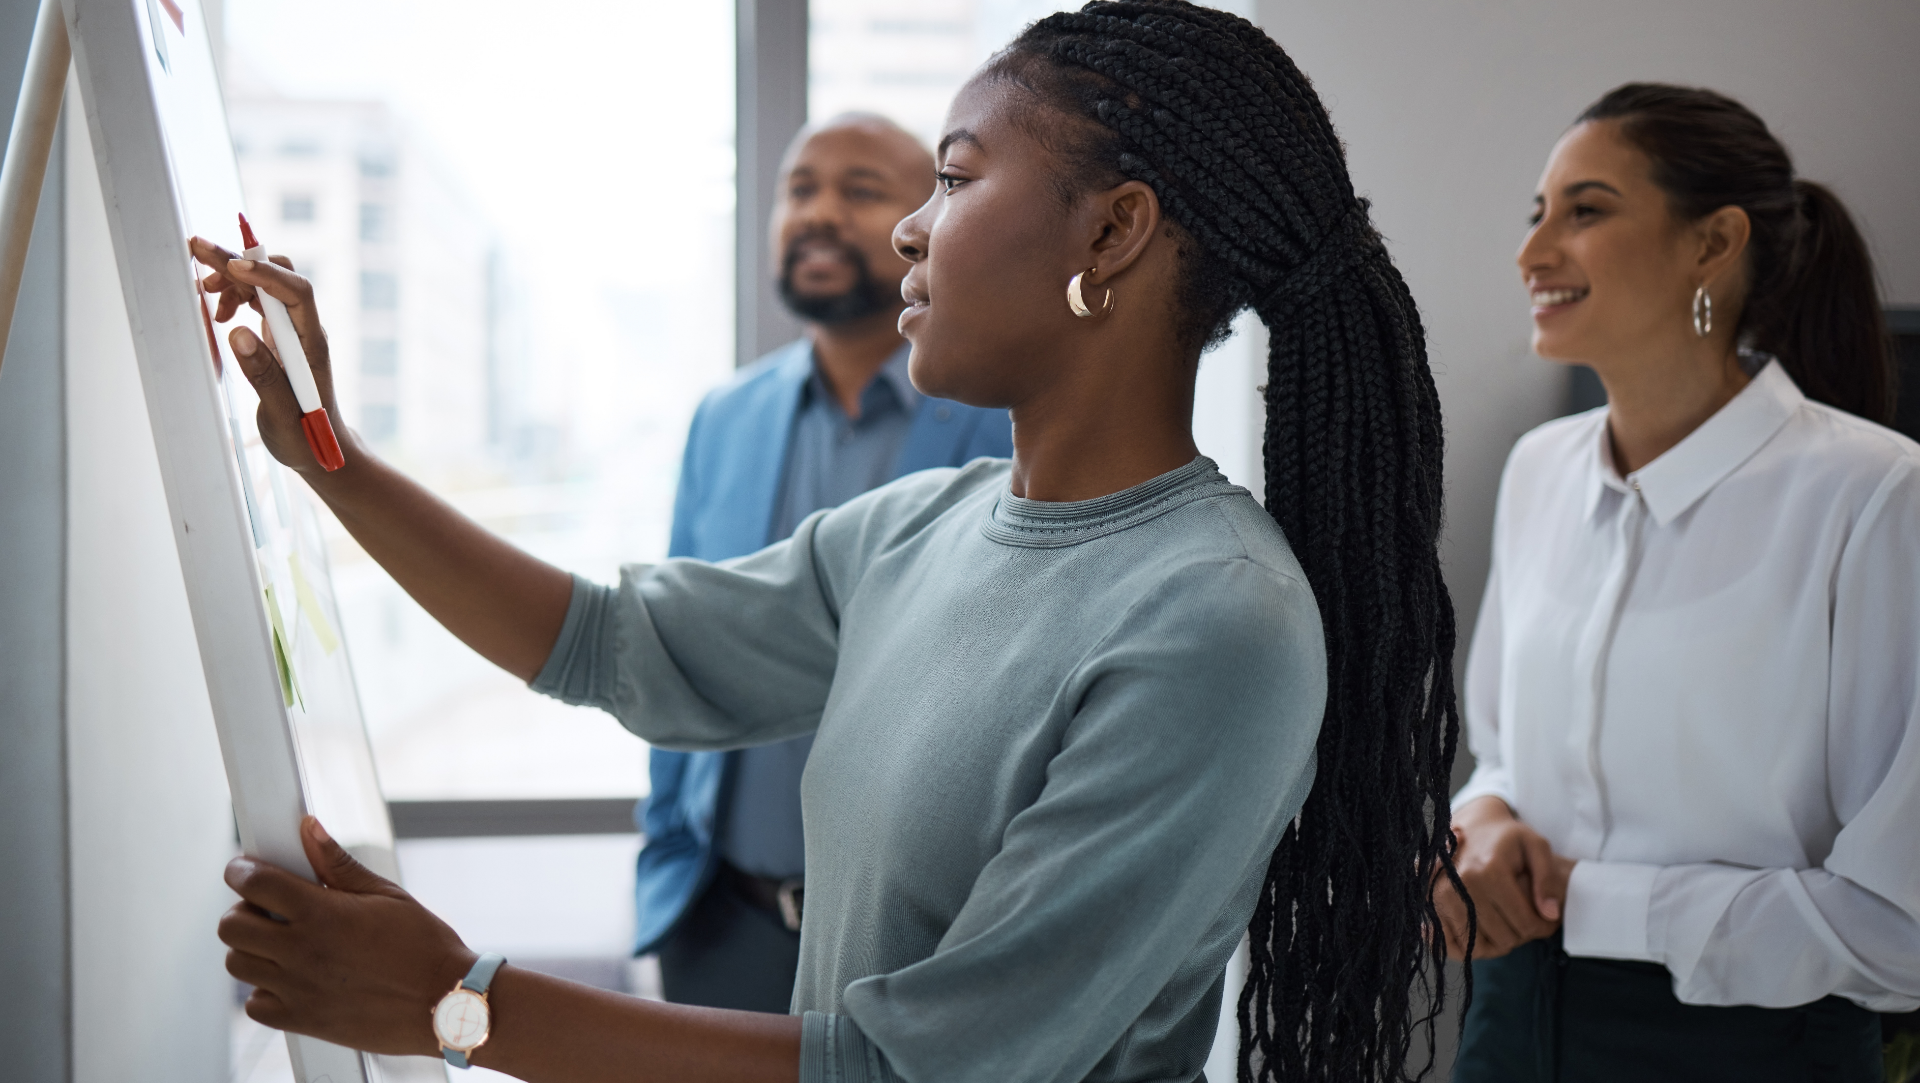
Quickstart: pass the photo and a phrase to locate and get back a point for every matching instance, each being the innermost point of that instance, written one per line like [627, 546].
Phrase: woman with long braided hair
[1207, 110]
[1083, 719]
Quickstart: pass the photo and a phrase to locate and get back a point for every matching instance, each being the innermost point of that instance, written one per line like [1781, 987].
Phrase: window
[550, 404]
[379, 290]
[902, 58]
[377, 162]
[906, 58]
[296, 208]
[379, 422]
[379, 357]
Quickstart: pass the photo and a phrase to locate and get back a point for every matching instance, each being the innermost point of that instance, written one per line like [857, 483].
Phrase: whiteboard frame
[190, 432]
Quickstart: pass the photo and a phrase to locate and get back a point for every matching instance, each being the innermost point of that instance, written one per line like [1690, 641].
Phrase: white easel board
[247, 530]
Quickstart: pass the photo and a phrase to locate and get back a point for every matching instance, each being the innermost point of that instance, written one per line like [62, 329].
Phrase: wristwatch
[462, 1020]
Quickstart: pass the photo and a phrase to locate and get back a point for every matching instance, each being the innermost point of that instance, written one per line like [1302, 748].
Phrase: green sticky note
[310, 605]
[285, 669]
[283, 660]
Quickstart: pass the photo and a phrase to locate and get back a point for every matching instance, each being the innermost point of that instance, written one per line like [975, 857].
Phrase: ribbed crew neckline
[1043, 524]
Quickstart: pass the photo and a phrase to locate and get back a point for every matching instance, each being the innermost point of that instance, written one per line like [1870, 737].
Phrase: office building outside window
[525, 295]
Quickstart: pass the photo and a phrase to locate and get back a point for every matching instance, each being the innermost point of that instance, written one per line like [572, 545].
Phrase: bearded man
[809, 426]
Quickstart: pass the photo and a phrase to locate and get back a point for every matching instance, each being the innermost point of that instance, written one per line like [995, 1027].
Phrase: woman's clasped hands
[1517, 883]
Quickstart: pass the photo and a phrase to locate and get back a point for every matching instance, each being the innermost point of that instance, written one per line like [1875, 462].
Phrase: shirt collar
[892, 375]
[1690, 469]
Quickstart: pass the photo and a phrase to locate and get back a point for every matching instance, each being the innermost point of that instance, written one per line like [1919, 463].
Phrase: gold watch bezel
[433, 1017]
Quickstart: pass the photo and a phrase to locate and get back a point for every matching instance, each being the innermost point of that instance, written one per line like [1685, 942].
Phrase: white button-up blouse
[1702, 681]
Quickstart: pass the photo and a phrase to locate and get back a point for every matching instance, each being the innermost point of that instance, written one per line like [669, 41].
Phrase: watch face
[461, 1019]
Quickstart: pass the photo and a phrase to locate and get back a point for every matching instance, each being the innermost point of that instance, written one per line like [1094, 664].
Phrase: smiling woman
[1693, 693]
[1082, 719]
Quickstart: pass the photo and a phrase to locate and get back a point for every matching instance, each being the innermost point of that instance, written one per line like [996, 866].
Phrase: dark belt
[781, 898]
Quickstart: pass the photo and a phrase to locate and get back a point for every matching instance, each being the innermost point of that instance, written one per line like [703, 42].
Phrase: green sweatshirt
[1056, 745]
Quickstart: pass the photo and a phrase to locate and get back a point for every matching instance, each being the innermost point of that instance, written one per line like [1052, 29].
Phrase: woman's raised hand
[1517, 883]
[238, 281]
[437, 555]
[353, 960]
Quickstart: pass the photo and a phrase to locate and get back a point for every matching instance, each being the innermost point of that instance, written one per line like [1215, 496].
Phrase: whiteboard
[247, 529]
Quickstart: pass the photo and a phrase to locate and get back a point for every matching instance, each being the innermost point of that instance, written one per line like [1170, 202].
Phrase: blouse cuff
[832, 1050]
[572, 673]
[1486, 782]
[1606, 912]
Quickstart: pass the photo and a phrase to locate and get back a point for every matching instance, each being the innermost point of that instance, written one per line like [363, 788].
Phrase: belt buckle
[788, 894]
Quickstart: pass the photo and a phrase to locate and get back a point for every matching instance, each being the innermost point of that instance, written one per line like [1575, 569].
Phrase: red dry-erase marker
[313, 415]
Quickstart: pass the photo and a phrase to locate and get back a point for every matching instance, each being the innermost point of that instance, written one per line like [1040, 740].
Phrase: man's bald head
[844, 184]
[886, 137]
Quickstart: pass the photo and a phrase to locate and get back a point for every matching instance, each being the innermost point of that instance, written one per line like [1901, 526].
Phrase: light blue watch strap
[483, 970]
[477, 979]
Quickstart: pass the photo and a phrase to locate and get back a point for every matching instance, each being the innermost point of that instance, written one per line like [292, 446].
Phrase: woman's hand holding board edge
[301, 946]
[502, 602]
[357, 961]
[1518, 884]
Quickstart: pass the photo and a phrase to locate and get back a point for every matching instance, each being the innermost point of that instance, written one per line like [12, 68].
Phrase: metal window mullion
[770, 106]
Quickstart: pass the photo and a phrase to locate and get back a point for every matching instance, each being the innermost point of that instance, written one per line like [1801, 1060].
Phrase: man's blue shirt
[764, 452]
[831, 458]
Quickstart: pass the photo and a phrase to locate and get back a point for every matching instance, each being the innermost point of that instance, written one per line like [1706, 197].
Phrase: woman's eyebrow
[1577, 187]
[958, 135]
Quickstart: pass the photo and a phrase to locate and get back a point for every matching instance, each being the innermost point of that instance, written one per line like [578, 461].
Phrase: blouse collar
[1690, 469]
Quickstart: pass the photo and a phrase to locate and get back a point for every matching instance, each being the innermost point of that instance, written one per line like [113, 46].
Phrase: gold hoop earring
[1702, 312]
[1079, 304]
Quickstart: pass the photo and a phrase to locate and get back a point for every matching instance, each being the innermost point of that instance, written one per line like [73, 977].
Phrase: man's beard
[864, 298]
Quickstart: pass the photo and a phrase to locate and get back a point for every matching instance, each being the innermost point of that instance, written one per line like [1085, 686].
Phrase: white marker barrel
[287, 341]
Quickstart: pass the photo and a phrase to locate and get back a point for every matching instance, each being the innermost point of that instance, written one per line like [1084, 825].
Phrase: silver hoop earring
[1702, 312]
[1079, 304]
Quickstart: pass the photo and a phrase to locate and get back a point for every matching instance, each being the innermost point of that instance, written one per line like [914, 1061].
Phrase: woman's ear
[1723, 242]
[1126, 219]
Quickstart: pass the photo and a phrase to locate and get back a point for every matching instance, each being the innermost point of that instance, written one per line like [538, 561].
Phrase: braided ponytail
[1206, 109]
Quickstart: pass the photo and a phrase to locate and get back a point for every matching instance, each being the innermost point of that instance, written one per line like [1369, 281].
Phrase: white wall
[1449, 109]
[151, 823]
[1228, 416]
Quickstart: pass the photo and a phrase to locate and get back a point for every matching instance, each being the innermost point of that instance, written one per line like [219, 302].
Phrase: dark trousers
[728, 953]
[1541, 1016]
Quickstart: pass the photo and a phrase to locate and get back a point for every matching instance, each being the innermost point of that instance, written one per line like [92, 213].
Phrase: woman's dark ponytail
[1206, 109]
[1812, 299]
[1822, 316]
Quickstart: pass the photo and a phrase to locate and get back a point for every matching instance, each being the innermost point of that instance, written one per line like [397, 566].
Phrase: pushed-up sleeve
[696, 656]
[1189, 748]
[1849, 926]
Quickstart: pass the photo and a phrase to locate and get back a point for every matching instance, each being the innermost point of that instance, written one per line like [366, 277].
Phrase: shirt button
[942, 413]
